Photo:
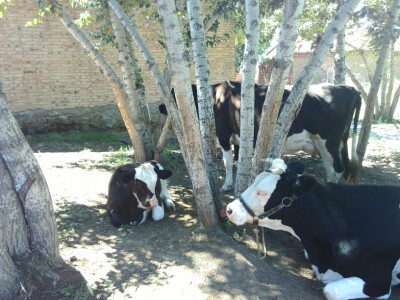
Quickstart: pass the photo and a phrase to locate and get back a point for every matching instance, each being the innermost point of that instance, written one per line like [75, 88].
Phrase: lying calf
[135, 190]
[351, 234]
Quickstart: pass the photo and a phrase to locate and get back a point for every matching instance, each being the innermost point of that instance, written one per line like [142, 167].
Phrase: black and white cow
[135, 190]
[321, 127]
[350, 233]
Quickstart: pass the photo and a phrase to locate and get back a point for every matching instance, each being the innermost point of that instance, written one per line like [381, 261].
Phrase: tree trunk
[204, 95]
[395, 100]
[383, 88]
[279, 77]
[250, 57]
[161, 141]
[153, 68]
[357, 84]
[373, 91]
[187, 112]
[109, 74]
[140, 113]
[340, 56]
[388, 97]
[28, 236]
[303, 82]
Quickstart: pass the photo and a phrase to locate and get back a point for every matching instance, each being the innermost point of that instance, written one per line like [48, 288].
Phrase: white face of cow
[256, 196]
[146, 173]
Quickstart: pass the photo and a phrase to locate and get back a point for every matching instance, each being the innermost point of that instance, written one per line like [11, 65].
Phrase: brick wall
[44, 68]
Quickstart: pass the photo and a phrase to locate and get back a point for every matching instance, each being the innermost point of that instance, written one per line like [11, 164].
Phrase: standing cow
[135, 190]
[350, 233]
[321, 127]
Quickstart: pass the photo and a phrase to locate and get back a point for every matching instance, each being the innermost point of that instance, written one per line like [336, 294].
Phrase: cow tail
[354, 164]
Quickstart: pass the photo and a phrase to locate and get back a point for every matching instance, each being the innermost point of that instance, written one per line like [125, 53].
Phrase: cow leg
[165, 197]
[157, 213]
[346, 288]
[396, 274]
[354, 287]
[329, 160]
[228, 163]
[145, 215]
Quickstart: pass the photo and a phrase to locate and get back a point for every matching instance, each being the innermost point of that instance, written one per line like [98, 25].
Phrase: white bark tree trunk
[187, 112]
[109, 74]
[136, 101]
[279, 77]
[302, 84]
[376, 81]
[383, 88]
[204, 94]
[340, 56]
[154, 70]
[388, 96]
[357, 84]
[395, 100]
[250, 57]
[28, 236]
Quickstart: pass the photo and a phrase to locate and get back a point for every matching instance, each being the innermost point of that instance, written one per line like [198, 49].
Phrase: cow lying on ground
[351, 233]
[135, 190]
[321, 127]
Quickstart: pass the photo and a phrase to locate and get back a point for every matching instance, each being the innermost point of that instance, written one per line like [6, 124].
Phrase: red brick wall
[43, 67]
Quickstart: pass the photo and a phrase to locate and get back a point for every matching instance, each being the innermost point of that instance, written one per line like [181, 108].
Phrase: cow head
[144, 185]
[267, 191]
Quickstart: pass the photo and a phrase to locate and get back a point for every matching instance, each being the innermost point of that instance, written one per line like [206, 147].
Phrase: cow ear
[128, 176]
[164, 174]
[297, 167]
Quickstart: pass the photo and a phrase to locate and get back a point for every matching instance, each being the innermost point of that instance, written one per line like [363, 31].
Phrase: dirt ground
[176, 258]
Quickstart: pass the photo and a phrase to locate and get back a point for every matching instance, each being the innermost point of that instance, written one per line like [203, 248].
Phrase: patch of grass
[68, 290]
[122, 156]
[79, 293]
[110, 287]
[170, 156]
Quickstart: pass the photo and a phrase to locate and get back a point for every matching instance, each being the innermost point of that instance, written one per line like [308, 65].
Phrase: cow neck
[286, 202]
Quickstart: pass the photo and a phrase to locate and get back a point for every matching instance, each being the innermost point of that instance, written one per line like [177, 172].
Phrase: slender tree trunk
[187, 112]
[250, 57]
[361, 52]
[162, 138]
[395, 100]
[109, 74]
[140, 113]
[340, 56]
[153, 68]
[383, 88]
[357, 84]
[204, 95]
[28, 236]
[279, 77]
[388, 97]
[302, 84]
[376, 81]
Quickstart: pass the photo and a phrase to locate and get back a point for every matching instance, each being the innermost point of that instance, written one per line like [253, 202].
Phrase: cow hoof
[170, 205]
[134, 223]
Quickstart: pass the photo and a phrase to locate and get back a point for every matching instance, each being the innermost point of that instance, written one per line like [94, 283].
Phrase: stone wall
[48, 76]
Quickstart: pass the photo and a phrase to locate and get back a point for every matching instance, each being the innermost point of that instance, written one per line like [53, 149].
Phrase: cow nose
[229, 212]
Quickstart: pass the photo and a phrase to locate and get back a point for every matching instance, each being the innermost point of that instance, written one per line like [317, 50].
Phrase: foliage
[315, 17]
[271, 13]
[3, 6]
[374, 16]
